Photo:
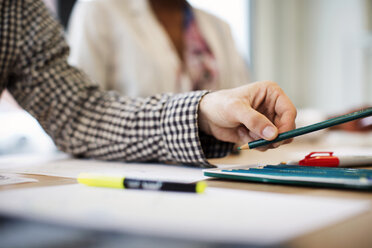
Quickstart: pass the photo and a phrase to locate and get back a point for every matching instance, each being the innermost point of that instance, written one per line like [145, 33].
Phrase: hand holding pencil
[311, 128]
[247, 113]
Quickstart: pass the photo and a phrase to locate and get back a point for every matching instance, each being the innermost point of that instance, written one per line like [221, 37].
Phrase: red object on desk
[327, 160]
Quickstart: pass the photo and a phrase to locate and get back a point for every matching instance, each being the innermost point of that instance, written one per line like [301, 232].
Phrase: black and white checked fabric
[81, 119]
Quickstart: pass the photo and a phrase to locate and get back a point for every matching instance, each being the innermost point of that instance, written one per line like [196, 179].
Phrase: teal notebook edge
[286, 179]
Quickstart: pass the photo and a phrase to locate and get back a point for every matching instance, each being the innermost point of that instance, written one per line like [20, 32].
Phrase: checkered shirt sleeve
[81, 119]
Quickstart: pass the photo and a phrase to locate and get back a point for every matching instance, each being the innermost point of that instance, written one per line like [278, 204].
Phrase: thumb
[257, 123]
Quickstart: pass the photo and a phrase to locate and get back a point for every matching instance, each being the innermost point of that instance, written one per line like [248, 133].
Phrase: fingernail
[269, 132]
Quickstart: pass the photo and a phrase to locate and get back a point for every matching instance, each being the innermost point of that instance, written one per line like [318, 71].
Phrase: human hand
[250, 112]
[359, 125]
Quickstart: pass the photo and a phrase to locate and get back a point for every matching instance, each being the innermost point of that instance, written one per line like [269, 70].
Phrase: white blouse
[121, 45]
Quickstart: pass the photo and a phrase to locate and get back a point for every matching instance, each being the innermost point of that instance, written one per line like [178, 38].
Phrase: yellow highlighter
[99, 180]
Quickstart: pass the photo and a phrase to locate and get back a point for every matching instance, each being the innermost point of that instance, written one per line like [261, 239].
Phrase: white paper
[63, 166]
[7, 179]
[217, 215]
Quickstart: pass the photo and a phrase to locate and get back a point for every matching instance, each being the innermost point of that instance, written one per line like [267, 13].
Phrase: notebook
[298, 175]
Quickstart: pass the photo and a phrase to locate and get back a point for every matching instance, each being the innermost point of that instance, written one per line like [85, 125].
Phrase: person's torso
[144, 60]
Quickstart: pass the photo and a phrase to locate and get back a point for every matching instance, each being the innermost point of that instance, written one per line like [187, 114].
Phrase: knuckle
[272, 84]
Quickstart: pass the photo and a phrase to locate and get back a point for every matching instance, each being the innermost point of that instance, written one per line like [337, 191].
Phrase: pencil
[308, 129]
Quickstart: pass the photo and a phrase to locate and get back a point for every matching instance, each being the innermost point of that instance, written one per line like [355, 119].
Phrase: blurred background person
[145, 47]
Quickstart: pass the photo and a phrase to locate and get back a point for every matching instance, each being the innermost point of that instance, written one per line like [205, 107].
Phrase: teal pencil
[311, 128]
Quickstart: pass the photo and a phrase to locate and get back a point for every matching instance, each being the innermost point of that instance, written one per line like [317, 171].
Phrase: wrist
[203, 122]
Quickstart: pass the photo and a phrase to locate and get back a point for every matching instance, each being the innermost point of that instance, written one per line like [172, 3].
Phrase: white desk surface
[351, 231]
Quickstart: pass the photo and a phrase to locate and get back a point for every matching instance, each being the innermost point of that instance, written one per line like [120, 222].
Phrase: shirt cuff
[183, 140]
